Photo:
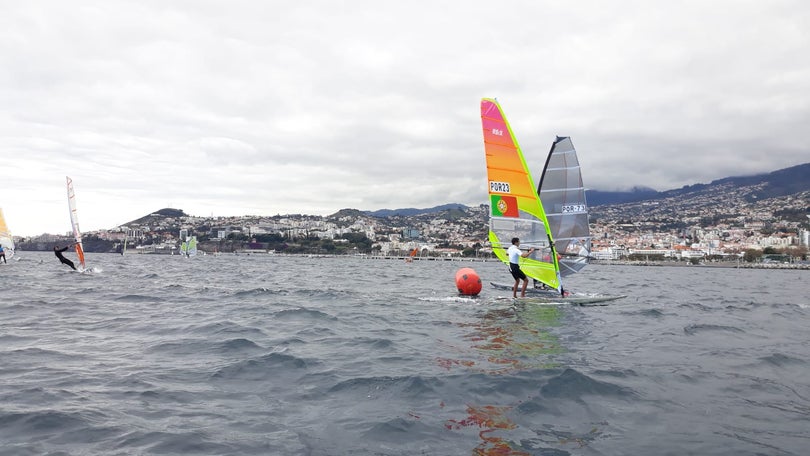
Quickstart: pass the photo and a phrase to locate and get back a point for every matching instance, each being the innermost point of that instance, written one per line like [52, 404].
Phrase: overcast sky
[268, 107]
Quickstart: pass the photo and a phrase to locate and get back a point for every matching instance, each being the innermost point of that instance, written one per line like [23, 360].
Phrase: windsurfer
[3, 254]
[58, 253]
[514, 266]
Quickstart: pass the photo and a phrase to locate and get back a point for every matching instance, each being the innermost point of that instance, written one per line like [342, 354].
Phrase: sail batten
[515, 207]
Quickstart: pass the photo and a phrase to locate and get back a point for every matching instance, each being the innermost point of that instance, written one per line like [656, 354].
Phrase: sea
[294, 355]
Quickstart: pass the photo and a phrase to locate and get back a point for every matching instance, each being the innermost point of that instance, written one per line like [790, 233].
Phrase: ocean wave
[36, 397]
[698, 328]
[780, 360]
[326, 294]
[134, 298]
[259, 291]
[263, 367]
[696, 306]
[374, 386]
[552, 440]
[38, 355]
[197, 346]
[572, 384]
[303, 312]
[654, 313]
[41, 422]
[237, 345]
[371, 342]
[618, 373]
[401, 431]
[6, 339]
[173, 443]
[288, 341]
[225, 327]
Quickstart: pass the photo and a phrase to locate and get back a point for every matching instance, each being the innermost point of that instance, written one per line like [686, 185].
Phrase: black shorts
[516, 272]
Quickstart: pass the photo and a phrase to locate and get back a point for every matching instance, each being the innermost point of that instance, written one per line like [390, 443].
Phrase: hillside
[783, 182]
[407, 212]
[158, 216]
[782, 195]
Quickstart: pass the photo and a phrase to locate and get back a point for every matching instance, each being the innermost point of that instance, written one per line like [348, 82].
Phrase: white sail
[74, 222]
[563, 195]
[6, 240]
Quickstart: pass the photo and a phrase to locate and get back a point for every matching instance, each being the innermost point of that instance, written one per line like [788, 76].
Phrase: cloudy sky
[264, 108]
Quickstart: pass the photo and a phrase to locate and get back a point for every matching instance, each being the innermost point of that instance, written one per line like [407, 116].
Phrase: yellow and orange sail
[515, 207]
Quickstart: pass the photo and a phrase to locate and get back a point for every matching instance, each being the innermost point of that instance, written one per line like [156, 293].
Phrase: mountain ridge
[411, 211]
[782, 182]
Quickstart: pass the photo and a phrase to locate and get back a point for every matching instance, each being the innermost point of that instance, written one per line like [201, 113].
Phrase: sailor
[58, 253]
[3, 254]
[514, 266]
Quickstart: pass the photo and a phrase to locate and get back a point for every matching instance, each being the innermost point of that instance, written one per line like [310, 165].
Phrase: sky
[308, 107]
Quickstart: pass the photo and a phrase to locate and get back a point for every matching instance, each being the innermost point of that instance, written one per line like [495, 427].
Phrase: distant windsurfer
[514, 266]
[3, 254]
[58, 252]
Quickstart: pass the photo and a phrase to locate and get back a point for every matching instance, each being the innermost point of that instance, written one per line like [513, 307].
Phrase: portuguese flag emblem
[504, 206]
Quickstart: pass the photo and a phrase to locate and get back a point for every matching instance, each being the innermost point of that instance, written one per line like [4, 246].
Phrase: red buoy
[468, 282]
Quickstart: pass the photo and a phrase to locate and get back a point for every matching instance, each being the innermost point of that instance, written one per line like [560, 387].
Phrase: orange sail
[515, 207]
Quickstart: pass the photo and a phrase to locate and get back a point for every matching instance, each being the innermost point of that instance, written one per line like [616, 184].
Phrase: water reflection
[489, 419]
[511, 339]
[502, 342]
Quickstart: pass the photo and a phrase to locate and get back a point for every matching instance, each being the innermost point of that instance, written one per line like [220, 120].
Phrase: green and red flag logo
[504, 206]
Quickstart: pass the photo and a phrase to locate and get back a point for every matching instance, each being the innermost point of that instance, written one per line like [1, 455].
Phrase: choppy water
[264, 355]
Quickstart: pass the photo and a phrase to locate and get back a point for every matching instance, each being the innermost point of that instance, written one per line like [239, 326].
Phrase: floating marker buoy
[468, 282]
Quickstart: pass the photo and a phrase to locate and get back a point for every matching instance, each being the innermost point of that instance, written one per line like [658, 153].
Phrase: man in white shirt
[514, 266]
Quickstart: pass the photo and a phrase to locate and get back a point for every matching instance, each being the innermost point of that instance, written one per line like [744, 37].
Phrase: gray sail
[563, 196]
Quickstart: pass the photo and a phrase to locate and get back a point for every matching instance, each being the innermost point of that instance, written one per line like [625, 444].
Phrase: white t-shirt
[514, 254]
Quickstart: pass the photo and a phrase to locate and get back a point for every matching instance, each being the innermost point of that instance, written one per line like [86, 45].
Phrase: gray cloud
[257, 108]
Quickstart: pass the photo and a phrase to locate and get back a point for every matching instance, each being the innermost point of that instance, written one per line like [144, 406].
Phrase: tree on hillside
[752, 255]
[359, 240]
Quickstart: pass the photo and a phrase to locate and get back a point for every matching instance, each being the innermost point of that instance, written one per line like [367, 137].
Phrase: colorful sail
[6, 240]
[563, 196]
[515, 208]
[74, 221]
[189, 246]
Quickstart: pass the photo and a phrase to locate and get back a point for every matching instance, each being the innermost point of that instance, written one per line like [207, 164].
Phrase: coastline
[683, 264]
[676, 264]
